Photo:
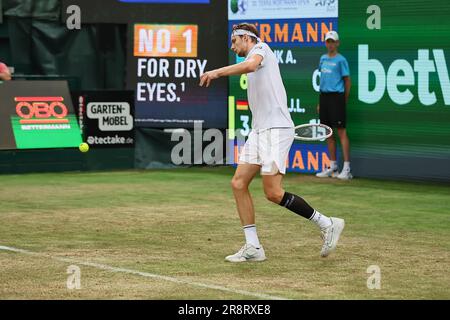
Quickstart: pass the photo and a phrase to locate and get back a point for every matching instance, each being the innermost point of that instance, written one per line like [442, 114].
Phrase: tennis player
[268, 144]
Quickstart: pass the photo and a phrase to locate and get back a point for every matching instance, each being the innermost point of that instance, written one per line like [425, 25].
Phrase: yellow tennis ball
[84, 147]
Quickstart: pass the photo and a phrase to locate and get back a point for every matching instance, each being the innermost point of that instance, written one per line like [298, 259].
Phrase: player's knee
[238, 184]
[274, 196]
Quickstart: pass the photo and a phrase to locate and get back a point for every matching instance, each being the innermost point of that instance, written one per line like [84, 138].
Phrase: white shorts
[268, 148]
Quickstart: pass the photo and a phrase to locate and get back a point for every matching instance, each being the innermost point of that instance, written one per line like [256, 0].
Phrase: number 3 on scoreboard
[245, 131]
[165, 40]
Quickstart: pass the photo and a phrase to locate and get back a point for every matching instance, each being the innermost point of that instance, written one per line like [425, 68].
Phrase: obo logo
[41, 110]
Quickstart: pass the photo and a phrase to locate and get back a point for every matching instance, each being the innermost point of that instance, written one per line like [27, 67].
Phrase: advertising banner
[37, 115]
[399, 109]
[281, 9]
[170, 44]
[106, 118]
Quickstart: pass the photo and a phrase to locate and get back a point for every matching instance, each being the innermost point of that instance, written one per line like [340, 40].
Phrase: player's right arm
[248, 66]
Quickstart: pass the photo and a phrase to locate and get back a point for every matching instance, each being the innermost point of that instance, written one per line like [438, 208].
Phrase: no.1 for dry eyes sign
[170, 44]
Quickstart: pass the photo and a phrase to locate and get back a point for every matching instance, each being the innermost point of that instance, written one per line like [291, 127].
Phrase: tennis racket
[312, 132]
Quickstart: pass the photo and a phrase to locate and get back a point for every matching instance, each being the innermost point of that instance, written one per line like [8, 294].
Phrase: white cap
[333, 35]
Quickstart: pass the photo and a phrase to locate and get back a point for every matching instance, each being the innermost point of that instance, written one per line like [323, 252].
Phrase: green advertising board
[37, 115]
[47, 136]
[399, 110]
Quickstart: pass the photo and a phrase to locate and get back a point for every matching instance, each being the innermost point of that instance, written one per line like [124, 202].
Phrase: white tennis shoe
[345, 175]
[247, 253]
[327, 173]
[331, 235]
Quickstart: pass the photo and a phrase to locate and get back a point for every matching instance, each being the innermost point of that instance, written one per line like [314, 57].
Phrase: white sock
[346, 165]
[321, 220]
[333, 165]
[251, 237]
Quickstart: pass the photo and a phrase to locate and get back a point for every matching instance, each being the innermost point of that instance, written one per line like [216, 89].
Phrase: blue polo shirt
[332, 70]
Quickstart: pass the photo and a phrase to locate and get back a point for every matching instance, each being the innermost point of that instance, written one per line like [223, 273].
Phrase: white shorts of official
[268, 148]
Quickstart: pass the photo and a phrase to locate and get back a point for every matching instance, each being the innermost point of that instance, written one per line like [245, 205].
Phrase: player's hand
[207, 77]
[318, 108]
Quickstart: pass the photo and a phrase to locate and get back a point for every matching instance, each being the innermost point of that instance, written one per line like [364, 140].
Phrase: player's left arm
[248, 66]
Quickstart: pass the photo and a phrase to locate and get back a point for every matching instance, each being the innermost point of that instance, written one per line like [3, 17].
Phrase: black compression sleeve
[297, 205]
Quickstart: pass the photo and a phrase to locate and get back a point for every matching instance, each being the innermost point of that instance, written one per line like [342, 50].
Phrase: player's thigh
[338, 111]
[324, 103]
[244, 175]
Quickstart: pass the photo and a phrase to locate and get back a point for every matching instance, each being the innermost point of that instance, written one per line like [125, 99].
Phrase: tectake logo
[93, 140]
[239, 6]
[42, 112]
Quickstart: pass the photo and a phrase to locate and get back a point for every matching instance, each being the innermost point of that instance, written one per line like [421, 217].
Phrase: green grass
[183, 222]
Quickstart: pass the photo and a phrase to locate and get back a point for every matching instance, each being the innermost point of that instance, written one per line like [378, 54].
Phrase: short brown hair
[249, 27]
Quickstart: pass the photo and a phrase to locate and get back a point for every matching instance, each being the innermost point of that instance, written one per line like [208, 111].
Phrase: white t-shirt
[266, 93]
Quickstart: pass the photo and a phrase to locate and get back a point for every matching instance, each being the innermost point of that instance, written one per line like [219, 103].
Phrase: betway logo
[400, 78]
